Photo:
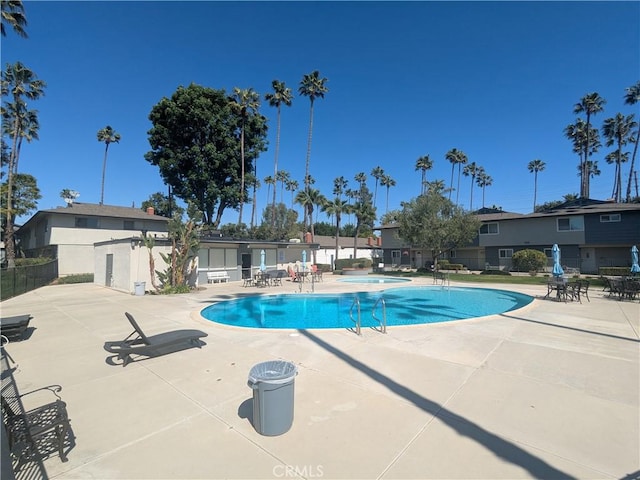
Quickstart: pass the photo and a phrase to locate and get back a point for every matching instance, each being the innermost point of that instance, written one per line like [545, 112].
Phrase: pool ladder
[358, 320]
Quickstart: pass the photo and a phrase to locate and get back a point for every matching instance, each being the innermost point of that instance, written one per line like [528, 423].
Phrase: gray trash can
[139, 288]
[272, 383]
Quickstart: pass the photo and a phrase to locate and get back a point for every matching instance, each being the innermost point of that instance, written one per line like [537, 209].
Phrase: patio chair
[34, 431]
[137, 343]
[293, 275]
[14, 326]
[584, 288]
[277, 280]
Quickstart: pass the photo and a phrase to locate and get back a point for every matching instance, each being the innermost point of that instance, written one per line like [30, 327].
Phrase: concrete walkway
[548, 391]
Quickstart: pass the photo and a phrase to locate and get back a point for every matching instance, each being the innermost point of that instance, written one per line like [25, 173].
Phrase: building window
[86, 222]
[129, 225]
[452, 254]
[489, 229]
[612, 217]
[505, 252]
[548, 253]
[571, 224]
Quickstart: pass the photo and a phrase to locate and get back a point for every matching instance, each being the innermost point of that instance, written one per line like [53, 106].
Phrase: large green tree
[196, 143]
[434, 223]
[25, 196]
[281, 95]
[163, 205]
[19, 85]
[106, 135]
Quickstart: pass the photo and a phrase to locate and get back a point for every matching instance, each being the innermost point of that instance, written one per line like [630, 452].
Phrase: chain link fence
[19, 280]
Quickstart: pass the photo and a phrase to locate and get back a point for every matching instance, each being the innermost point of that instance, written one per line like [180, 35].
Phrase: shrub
[342, 263]
[494, 272]
[26, 262]
[614, 271]
[529, 260]
[77, 278]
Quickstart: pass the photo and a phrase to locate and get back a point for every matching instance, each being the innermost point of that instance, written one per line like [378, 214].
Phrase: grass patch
[76, 278]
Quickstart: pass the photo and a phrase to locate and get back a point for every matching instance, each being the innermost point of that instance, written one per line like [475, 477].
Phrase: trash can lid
[273, 371]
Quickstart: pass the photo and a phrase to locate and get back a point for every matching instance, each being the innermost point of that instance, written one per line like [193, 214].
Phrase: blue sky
[497, 80]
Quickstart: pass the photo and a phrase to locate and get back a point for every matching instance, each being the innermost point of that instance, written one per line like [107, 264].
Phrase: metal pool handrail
[383, 321]
[356, 303]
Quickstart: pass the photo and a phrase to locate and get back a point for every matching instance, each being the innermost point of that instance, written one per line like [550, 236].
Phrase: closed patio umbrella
[263, 265]
[304, 260]
[635, 268]
[557, 269]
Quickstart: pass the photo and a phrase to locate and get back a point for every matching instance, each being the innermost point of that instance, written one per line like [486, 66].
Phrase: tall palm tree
[459, 158]
[577, 133]
[339, 186]
[423, 164]
[29, 127]
[254, 181]
[281, 95]
[377, 174]
[631, 98]
[106, 135]
[361, 178]
[471, 170]
[283, 177]
[20, 84]
[312, 86]
[387, 181]
[619, 130]
[246, 102]
[308, 199]
[269, 181]
[483, 180]
[336, 208]
[13, 15]
[534, 167]
[291, 186]
[590, 104]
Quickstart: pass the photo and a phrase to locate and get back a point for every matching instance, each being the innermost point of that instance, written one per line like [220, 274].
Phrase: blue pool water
[405, 306]
[364, 279]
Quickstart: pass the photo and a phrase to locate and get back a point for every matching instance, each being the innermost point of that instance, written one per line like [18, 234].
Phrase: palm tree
[436, 186]
[308, 199]
[456, 157]
[361, 178]
[246, 101]
[283, 177]
[471, 170]
[534, 167]
[483, 181]
[618, 130]
[631, 98]
[13, 16]
[106, 135]
[29, 126]
[311, 86]
[423, 164]
[21, 84]
[339, 186]
[592, 170]
[291, 186]
[387, 181]
[254, 181]
[336, 207]
[281, 95]
[577, 133]
[269, 181]
[377, 174]
[590, 104]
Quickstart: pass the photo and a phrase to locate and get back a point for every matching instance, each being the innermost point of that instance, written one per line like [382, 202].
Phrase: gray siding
[624, 232]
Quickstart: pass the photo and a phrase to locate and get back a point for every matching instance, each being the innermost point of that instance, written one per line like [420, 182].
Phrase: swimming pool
[364, 279]
[404, 305]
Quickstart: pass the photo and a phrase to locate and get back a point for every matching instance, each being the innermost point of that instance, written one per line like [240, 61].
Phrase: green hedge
[495, 272]
[614, 271]
[353, 263]
[77, 278]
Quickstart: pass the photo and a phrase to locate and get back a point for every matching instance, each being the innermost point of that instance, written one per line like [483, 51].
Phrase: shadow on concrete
[582, 330]
[508, 451]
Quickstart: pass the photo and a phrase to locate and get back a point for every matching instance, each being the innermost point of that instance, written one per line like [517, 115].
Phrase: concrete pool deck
[548, 391]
